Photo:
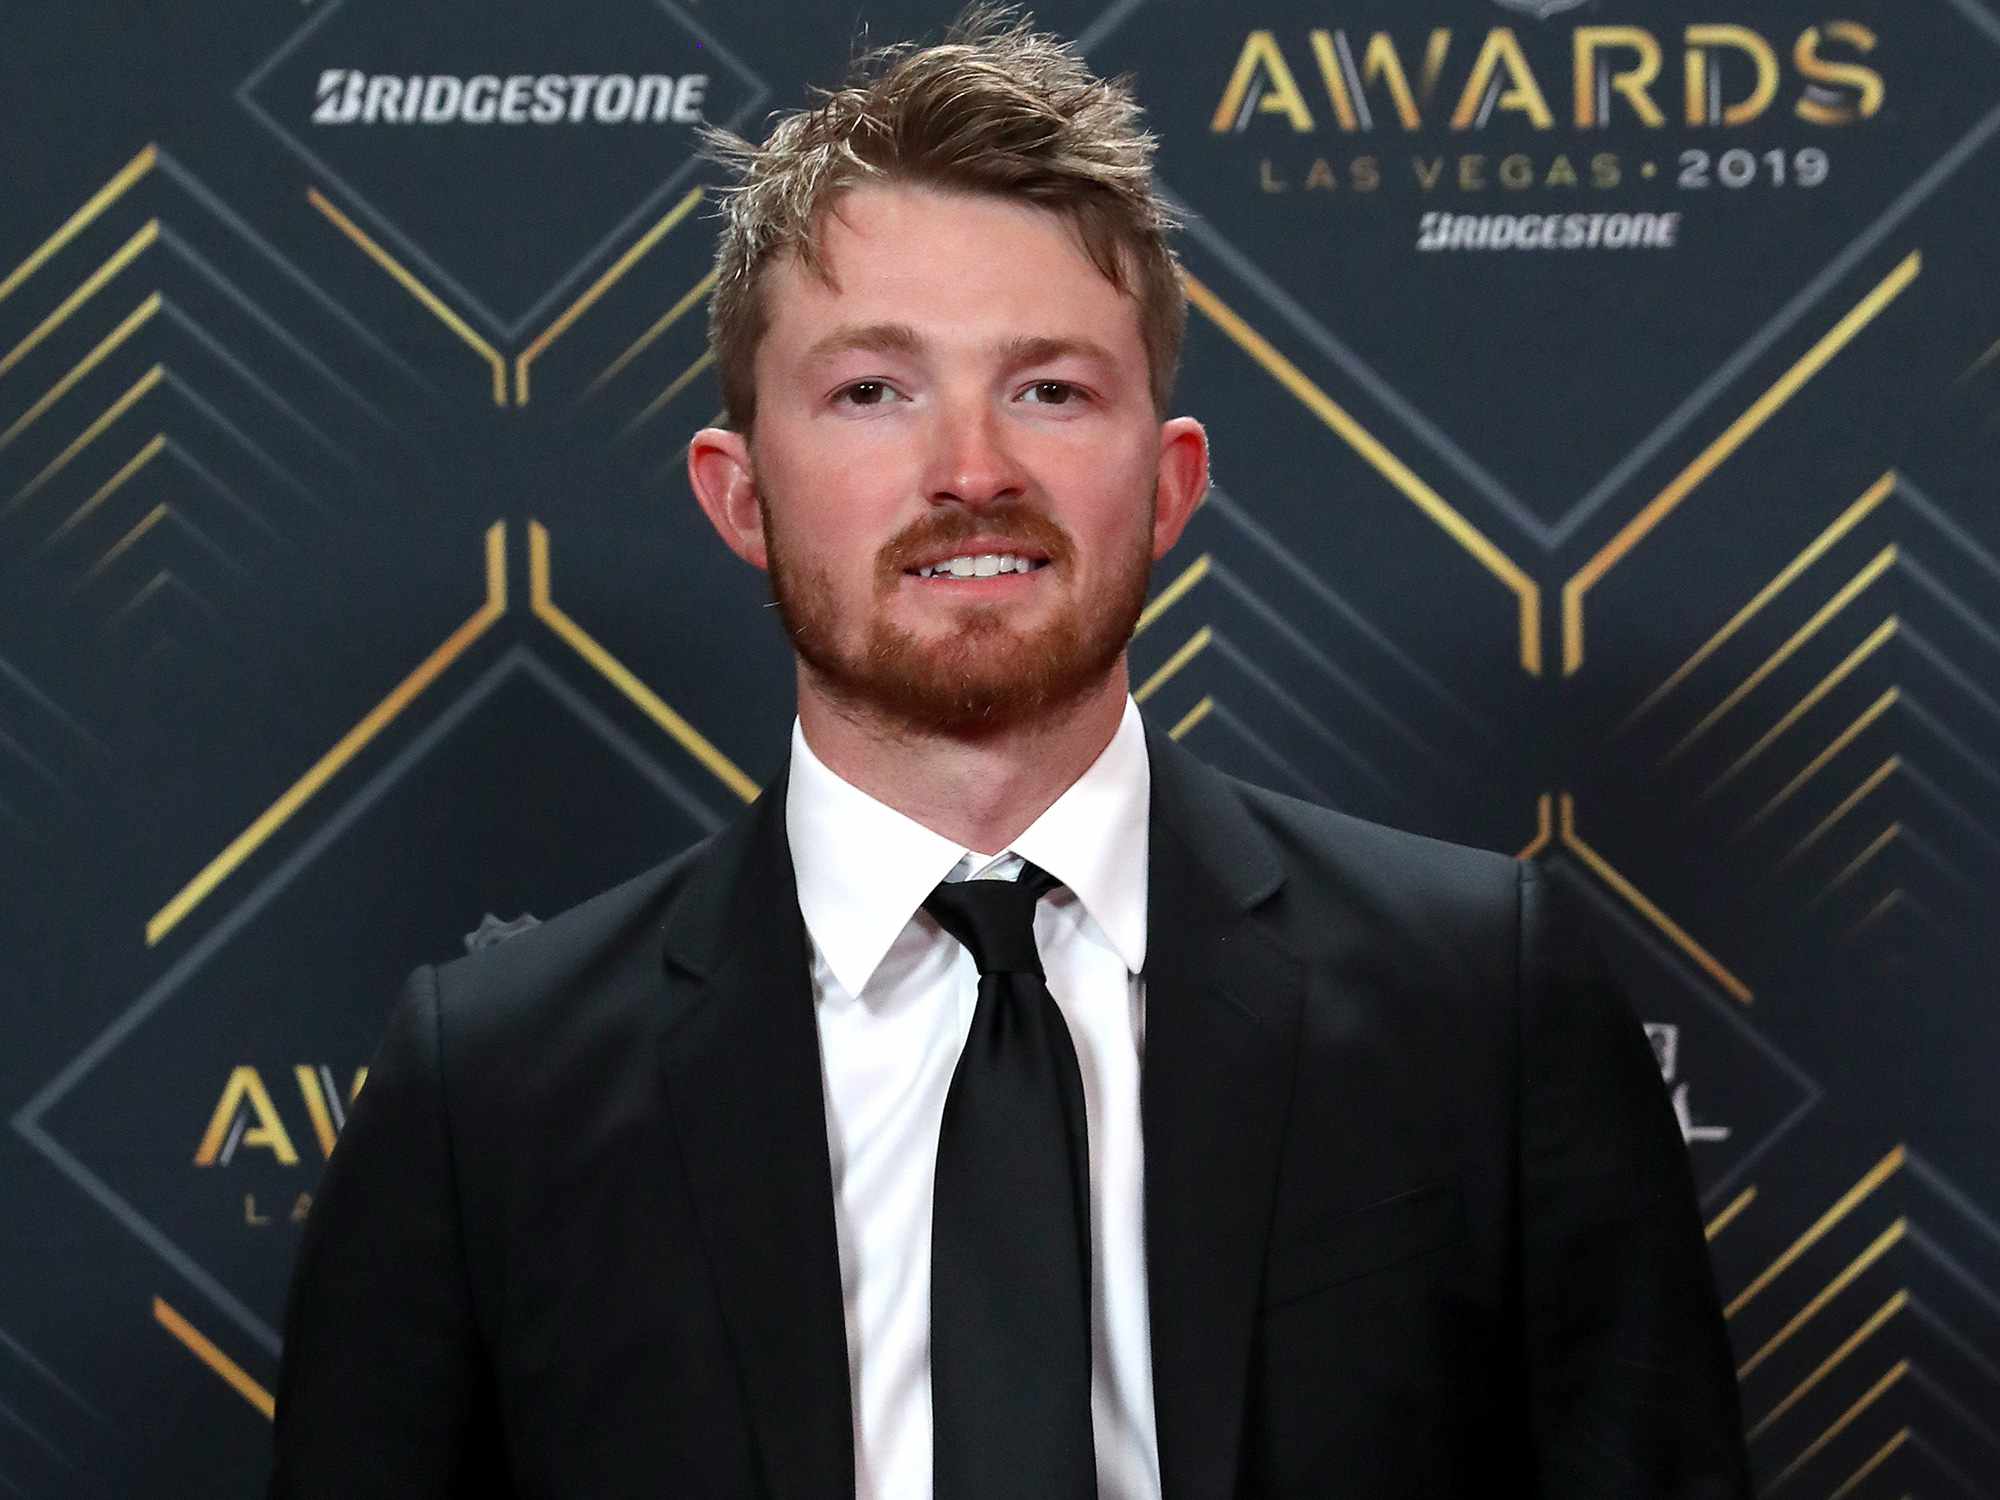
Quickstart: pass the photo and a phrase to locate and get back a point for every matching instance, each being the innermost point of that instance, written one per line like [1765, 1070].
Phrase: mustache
[1017, 519]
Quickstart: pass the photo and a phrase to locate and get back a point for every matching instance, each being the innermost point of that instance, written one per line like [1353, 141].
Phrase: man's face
[956, 460]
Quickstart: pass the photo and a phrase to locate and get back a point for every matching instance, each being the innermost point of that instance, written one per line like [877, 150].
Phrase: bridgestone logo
[348, 96]
[1442, 231]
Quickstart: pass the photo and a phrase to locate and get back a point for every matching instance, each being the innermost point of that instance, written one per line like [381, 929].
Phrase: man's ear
[1182, 481]
[725, 484]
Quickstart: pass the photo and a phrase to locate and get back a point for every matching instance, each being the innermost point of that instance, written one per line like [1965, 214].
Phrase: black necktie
[1010, 1235]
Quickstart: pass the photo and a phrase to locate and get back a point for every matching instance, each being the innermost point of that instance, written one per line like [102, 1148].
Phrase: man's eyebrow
[867, 338]
[1043, 349]
[901, 338]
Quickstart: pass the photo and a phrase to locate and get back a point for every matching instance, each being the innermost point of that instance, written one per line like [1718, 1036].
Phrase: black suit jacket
[1419, 1221]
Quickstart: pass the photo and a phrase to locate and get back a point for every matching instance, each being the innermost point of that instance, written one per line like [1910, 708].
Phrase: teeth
[980, 565]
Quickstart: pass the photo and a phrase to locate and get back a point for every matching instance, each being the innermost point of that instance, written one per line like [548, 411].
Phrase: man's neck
[980, 792]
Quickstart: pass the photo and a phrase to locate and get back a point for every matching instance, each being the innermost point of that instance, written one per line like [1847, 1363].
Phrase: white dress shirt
[893, 996]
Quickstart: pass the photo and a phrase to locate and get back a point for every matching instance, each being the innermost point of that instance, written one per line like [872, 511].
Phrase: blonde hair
[996, 108]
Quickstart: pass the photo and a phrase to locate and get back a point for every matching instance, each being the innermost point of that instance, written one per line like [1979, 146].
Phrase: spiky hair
[997, 109]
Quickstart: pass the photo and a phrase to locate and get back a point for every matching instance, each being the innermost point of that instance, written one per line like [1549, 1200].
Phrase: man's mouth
[980, 565]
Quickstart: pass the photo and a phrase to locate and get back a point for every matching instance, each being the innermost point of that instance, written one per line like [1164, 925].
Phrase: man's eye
[1052, 393]
[867, 393]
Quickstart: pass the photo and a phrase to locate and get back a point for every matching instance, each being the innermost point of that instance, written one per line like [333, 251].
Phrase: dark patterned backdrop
[1605, 399]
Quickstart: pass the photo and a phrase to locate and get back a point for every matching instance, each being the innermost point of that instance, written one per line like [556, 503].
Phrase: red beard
[988, 676]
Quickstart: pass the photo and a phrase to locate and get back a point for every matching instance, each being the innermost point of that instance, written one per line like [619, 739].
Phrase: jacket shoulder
[523, 981]
[1424, 905]
[1391, 859]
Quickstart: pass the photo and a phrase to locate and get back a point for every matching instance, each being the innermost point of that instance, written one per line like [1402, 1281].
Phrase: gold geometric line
[1597, 862]
[1727, 1217]
[1879, 491]
[1170, 595]
[122, 257]
[147, 522]
[1880, 774]
[1880, 564]
[1875, 1176]
[417, 289]
[89, 362]
[1881, 841]
[1544, 831]
[1526, 591]
[77, 222]
[1853, 1341]
[238, 1378]
[644, 341]
[1841, 1423]
[1876, 912]
[1880, 1457]
[1719, 451]
[91, 433]
[1878, 638]
[620, 676]
[1191, 718]
[598, 288]
[1189, 649]
[1845, 738]
[347, 748]
[138, 461]
[1879, 1247]
[674, 387]
[133, 465]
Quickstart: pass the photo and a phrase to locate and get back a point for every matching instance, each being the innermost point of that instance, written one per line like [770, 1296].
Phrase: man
[1008, 1105]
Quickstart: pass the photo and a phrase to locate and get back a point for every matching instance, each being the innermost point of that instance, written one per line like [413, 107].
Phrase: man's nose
[972, 462]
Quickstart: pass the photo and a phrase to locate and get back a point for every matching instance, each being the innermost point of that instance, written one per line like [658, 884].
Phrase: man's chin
[963, 688]
[939, 623]
[967, 671]
[968, 712]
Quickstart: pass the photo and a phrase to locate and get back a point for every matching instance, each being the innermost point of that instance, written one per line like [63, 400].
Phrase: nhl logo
[1541, 10]
[491, 931]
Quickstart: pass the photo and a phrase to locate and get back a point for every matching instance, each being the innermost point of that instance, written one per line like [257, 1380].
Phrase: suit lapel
[743, 1077]
[1222, 1010]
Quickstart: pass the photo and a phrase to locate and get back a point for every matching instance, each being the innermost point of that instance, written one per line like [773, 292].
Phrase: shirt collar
[1093, 838]
[863, 868]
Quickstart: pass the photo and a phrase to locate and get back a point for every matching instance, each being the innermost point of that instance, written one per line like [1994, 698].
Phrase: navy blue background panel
[1605, 407]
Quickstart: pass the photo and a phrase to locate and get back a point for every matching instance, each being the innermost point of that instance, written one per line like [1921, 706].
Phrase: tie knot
[994, 919]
